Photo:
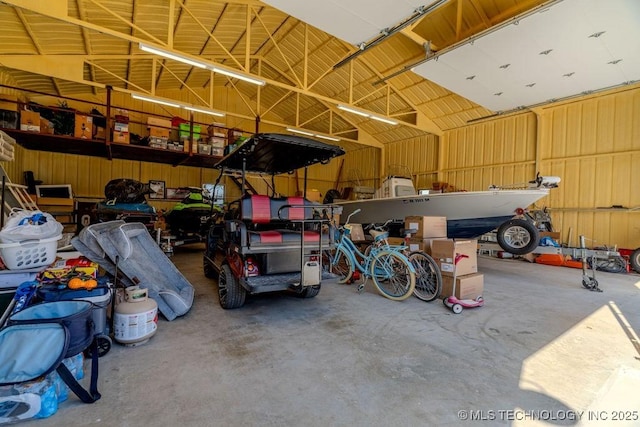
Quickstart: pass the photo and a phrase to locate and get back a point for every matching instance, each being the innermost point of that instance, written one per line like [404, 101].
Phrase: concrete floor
[542, 347]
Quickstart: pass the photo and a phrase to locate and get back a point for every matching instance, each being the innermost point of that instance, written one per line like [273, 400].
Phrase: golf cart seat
[277, 222]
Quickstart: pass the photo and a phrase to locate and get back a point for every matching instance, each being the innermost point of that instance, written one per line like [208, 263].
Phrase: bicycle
[391, 272]
[428, 275]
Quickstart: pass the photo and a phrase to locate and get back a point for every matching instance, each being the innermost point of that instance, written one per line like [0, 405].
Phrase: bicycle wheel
[428, 276]
[392, 275]
[337, 262]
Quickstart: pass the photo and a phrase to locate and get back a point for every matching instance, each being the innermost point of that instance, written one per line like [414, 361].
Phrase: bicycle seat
[378, 235]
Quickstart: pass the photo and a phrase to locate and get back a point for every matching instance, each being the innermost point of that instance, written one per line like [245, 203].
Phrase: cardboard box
[99, 132]
[56, 203]
[121, 137]
[469, 286]
[29, 121]
[427, 226]
[357, 233]
[423, 245]
[46, 127]
[156, 132]
[158, 122]
[84, 126]
[445, 251]
[217, 151]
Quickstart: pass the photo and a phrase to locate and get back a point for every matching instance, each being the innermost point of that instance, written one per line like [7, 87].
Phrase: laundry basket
[29, 253]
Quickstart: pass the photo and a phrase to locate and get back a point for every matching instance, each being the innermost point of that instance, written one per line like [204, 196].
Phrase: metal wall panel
[594, 146]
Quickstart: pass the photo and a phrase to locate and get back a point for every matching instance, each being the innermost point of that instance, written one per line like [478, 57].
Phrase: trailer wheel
[635, 260]
[230, 292]
[518, 236]
[310, 291]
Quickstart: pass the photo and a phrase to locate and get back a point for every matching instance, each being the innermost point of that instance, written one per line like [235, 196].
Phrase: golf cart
[267, 243]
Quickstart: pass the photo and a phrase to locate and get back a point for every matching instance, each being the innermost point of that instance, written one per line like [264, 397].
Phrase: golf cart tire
[207, 268]
[504, 239]
[230, 292]
[634, 260]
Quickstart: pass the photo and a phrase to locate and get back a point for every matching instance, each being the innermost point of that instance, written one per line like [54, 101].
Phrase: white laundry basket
[29, 253]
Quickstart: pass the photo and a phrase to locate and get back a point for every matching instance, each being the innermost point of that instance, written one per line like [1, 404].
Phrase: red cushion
[296, 213]
[260, 209]
[270, 236]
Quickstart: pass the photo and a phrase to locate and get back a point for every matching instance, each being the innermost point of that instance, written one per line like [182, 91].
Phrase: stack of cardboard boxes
[217, 139]
[159, 130]
[458, 259]
[121, 127]
[431, 238]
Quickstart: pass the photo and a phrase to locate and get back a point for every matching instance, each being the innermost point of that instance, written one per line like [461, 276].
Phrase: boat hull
[469, 214]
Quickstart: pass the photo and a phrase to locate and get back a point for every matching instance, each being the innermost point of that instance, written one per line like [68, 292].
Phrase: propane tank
[136, 318]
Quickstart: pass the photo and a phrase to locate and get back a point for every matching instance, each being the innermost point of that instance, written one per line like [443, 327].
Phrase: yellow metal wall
[498, 152]
[593, 144]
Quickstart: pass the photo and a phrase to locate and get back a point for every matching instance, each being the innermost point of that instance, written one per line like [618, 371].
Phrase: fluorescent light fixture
[369, 115]
[238, 76]
[330, 138]
[317, 135]
[351, 110]
[170, 55]
[300, 132]
[384, 120]
[200, 110]
[155, 100]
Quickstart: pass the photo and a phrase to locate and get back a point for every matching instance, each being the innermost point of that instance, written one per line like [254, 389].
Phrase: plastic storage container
[185, 131]
[29, 253]
[99, 298]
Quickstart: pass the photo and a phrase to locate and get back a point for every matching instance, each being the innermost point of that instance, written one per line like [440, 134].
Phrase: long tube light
[365, 114]
[317, 135]
[170, 103]
[238, 76]
[170, 55]
[156, 100]
[200, 110]
[199, 64]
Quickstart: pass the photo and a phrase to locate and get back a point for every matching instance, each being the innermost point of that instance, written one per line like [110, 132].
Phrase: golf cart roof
[274, 153]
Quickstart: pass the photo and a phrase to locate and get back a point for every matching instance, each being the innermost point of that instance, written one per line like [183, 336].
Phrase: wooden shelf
[112, 150]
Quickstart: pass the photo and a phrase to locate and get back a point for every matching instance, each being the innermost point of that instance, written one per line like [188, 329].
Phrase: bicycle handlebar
[351, 214]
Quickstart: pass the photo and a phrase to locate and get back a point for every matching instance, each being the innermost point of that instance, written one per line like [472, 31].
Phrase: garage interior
[465, 94]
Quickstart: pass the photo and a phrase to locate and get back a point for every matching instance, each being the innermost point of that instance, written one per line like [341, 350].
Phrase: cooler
[99, 297]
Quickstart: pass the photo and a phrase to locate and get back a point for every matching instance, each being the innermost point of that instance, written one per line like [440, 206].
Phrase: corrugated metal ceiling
[106, 32]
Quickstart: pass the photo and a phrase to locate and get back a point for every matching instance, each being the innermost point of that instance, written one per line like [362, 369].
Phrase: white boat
[469, 214]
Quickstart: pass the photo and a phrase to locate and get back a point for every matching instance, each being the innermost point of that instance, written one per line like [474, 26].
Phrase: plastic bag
[29, 225]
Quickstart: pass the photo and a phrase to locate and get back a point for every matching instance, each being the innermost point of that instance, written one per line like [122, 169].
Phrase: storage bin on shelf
[29, 253]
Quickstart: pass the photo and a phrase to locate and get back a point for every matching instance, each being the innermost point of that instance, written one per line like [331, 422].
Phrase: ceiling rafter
[36, 44]
[214, 38]
[157, 77]
[206, 42]
[57, 14]
[284, 57]
[208, 103]
[133, 20]
[127, 22]
[85, 38]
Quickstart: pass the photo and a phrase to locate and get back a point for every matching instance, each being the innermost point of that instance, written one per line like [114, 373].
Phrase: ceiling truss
[297, 83]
